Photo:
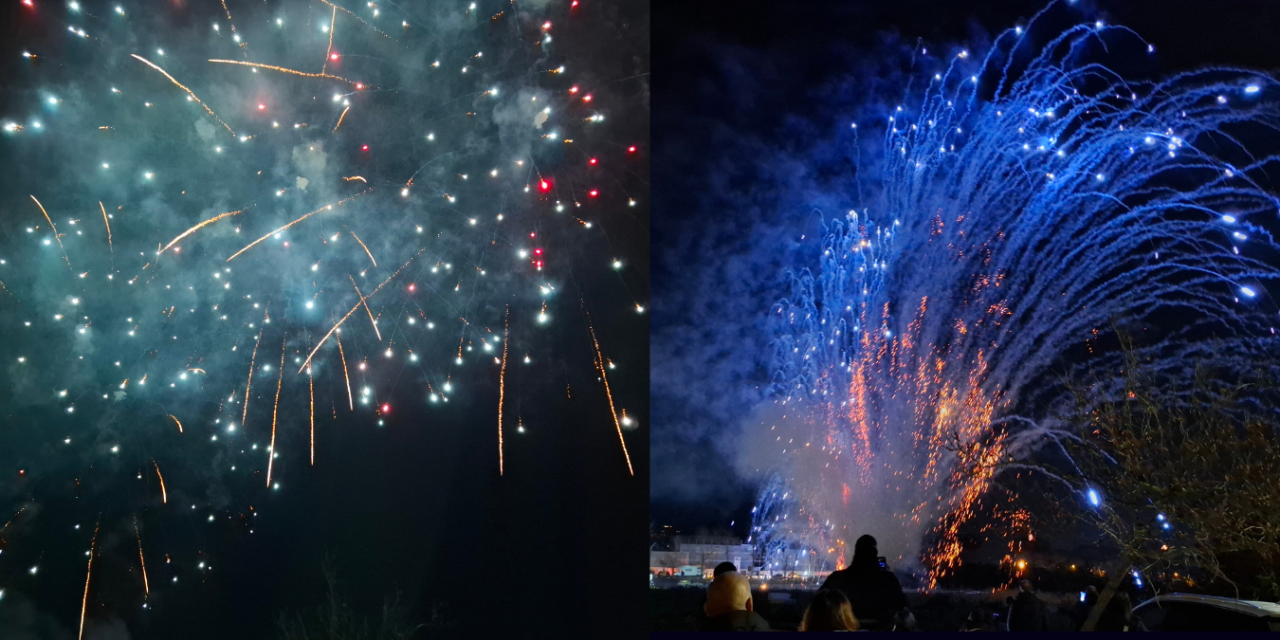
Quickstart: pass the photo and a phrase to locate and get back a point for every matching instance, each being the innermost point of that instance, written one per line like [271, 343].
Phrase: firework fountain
[1026, 202]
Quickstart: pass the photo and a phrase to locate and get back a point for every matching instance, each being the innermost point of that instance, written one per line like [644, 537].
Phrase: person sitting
[829, 611]
[873, 591]
[1028, 613]
[729, 605]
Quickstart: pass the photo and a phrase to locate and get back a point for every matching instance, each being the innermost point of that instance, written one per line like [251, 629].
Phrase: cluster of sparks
[442, 274]
[921, 360]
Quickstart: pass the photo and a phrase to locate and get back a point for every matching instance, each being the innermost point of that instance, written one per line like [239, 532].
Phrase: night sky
[752, 105]
[487, 165]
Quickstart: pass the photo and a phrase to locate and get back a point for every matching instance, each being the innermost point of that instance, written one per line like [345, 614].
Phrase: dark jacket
[1028, 613]
[873, 592]
[735, 621]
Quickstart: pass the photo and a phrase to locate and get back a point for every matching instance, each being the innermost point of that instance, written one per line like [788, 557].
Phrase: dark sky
[748, 97]
[405, 494]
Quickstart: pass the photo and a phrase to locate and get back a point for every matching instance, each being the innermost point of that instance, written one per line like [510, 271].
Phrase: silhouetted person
[729, 606]
[723, 567]
[873, 591]
[829, 611]
[1085, 607]
[1118, 616]
[1028, 613]
[981, 620]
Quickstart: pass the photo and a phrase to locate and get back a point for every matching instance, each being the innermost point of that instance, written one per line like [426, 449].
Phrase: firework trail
[333, 22]
[244, 414]
[164, 493]
[366, 252]
[192, 229]
[275, 408]
[106, 222]
[340, 119]
[176, 421]
[142, 561]
[351, 401]
[604, 377]
[1021, 210]
[84, 603]
[502, 382]
[372, 321]
[304, 217]
[311, 397]
[56, 235]
[189, 92]
[281, 70]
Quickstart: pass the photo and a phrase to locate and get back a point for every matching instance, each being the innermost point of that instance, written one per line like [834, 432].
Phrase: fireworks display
[468, 176]
[1023, 200]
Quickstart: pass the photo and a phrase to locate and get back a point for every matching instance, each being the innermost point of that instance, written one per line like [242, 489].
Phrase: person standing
[1028, 613]
[872, 590]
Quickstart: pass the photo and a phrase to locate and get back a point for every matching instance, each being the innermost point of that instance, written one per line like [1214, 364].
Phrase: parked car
[1187, 612]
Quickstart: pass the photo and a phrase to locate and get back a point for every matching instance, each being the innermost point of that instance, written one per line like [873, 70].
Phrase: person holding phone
[873, 591]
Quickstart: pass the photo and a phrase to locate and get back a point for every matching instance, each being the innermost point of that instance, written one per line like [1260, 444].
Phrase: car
[1189, 612]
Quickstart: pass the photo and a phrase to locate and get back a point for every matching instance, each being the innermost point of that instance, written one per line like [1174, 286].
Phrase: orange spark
[311, 388]
[201, 225]
[164, 494]
[84, 604]
[351, 403]
[354, 178]
[145, 584]
[108, 223]
[366, 250]
[502, 382]
[248, 385]
[284, 70]
[271, 457]
[55, 231]
[189, 92]
[324, 208]
[357, 306]
[332, 23]
[344, 114]
[366, 306]
[609, 393]
[175, 419]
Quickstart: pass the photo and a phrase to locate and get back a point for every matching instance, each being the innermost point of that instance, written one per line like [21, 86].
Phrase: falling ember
[249, 384]
[55, 231]
[502, 381]
[357, 306]
[333, 20]
[280, 69]
[351, 402]
[324, 208]
[189, 92]
[366, 305]
[604, 377]
[108, 223]
[366, 251]
[271, 452]
[164, 494]
[311, 389]
[340, 118]
[84, 603]
[146, 586]
[195, 228]
[175, 419]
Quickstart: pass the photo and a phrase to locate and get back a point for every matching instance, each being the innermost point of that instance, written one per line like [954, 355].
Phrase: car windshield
[1193, 616]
